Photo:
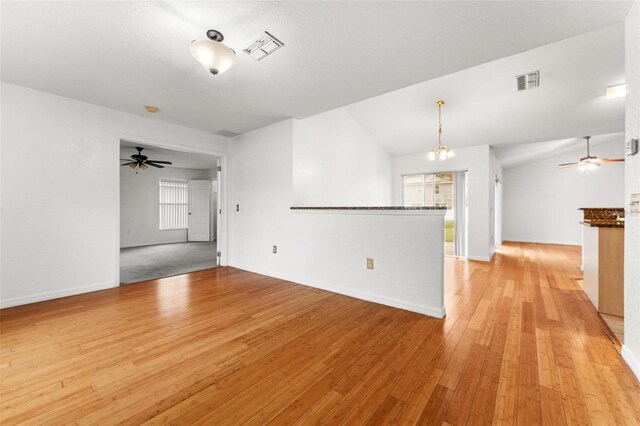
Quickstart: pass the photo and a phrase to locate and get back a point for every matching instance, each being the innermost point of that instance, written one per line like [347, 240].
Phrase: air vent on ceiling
[528, 81]
[227, 133]
[264, 46]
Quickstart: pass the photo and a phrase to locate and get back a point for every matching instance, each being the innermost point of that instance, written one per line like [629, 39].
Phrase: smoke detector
[528, 81]
[264, 46]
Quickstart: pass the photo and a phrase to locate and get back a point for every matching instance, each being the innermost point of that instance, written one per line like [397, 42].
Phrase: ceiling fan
[591, 162]
[142, 161]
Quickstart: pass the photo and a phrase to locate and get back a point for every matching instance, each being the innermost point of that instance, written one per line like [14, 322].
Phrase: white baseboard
[480, 258]
[483, 258]
[56, 294]
[156, 243]
[632, 361]
[560, 243]
[431, 311]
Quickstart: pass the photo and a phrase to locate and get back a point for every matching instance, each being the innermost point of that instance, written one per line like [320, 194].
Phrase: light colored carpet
[164, 260]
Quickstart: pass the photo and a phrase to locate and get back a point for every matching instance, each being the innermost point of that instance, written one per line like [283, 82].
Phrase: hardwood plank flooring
[521, 344]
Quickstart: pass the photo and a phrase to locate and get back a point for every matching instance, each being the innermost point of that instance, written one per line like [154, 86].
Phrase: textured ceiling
[483, 106]
[124, 55]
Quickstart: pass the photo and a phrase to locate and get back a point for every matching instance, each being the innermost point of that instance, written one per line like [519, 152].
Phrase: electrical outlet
[237, 207]
[369, 263]
[275, 249]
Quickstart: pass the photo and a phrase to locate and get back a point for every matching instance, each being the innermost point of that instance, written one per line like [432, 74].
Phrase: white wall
[139, 200]
[337, 162]
[60, 171]
[327, 250]
[476, 161]
[541, 200]
[631, 348]
[261, 184]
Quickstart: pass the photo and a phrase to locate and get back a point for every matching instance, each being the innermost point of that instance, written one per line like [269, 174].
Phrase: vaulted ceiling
[483, 106]
[516, 155]
[124, 55]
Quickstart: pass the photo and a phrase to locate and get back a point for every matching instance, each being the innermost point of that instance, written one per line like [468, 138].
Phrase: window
[429, 190]
[174, 204]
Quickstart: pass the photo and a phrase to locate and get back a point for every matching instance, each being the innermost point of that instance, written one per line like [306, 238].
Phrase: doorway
[445, 189]
[170, 205]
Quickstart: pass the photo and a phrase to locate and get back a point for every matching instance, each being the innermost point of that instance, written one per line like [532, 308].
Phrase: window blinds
[174, 204]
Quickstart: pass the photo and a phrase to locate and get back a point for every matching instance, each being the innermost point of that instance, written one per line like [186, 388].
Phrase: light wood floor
[520, 344]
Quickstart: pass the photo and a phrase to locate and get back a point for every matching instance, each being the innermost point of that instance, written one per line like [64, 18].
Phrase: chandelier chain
[440, 124]
[440, 152]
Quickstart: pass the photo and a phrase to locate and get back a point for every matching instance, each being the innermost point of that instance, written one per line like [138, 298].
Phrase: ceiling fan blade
[127, 159]
[568, 164]
[159, 162]
[130, 162]
[612, 160]
[155, 165]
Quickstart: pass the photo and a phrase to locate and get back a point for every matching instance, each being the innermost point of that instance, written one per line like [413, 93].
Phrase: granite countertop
[370, 208]
[603, 217]
[604, 223]
[601, 208]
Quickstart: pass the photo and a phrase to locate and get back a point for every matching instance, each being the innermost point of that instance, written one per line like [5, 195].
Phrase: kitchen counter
[372, 208]
[603, 259]
[603, 223]
[602, 214]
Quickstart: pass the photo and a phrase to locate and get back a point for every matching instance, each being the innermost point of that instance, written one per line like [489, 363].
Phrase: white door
[199, 210]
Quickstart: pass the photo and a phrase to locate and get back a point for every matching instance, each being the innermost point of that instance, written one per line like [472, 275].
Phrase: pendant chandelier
[440, 152]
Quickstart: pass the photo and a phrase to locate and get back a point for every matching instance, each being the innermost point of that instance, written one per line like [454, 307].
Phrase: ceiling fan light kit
[212, 53]
[440, 152]
[588, 164]
[142, 162]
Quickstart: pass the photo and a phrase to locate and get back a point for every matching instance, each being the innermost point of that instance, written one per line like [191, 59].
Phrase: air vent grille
[227, 133]
[528, 81]
[264, 46]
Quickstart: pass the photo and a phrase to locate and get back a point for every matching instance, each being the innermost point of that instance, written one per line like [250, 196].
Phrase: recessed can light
[151, 108]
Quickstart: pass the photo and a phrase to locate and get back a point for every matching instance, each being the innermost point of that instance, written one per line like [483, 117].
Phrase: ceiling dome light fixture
[440, 152]
[213, 55]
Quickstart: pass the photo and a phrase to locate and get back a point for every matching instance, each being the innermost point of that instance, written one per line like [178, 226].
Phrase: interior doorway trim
[223, 186]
